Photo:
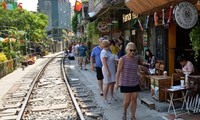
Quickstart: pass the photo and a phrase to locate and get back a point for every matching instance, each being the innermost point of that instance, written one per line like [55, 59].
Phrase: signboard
[129, 16]
[12, 6]
[186, 15]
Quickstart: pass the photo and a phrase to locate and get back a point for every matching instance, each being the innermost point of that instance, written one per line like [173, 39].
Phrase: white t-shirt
[188, 67]
[76, 48]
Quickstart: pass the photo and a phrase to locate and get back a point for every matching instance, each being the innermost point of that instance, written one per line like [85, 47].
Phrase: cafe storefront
[169, 25]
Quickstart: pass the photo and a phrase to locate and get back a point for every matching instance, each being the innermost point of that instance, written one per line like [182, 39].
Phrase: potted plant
[195, 41]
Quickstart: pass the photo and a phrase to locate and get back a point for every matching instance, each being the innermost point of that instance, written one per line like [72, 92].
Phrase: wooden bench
[150, 104]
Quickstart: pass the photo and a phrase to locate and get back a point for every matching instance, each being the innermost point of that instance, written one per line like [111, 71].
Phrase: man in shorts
[82, 53]
[95, 57]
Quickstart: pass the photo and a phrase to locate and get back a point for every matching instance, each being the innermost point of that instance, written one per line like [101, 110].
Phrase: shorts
[99, 73]
[82, 59]
[128, 89]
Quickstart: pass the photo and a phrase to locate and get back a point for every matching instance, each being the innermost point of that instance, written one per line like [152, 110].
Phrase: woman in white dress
[108, 70]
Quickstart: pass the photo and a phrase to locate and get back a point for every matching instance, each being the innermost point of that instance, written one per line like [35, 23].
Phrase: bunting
[78, 6]
[163, 16]
[170, 14]
[141, 28]
[155, 19]
[147, 21]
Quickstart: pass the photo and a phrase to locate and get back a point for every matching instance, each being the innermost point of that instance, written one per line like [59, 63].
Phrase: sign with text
[186, 15]
[12, 6]
[129, 16]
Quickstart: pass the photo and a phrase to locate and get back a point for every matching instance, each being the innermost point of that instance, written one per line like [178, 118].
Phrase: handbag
[71, 57]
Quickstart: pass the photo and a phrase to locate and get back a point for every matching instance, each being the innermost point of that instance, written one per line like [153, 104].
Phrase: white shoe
[112, 99]
[106, 102]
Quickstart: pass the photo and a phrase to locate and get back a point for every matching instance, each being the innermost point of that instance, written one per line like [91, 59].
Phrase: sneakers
[112, 99]
[106, 102]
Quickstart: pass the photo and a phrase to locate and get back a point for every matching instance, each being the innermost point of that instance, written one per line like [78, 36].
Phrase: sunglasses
[132, 50]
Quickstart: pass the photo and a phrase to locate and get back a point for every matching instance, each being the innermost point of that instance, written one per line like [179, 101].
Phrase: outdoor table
[178, 88]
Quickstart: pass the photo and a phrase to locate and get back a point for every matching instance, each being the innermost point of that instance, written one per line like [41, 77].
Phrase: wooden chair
[161, 69]
[147, 77]
[176, 77]
[157, 67]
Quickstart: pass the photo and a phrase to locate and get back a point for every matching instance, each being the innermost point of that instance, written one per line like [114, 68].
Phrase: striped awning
[151, 6]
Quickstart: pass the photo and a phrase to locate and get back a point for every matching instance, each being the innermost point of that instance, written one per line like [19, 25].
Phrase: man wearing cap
[95, 56]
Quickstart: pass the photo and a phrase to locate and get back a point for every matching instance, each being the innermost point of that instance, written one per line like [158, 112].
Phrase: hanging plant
[195, 41]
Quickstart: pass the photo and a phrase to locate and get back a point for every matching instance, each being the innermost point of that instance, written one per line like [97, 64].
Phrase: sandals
[101, 93]
[124, 116]
[133, 118]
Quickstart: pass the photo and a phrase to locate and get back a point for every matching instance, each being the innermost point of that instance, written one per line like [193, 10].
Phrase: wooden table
[159, 82]
[174, 89]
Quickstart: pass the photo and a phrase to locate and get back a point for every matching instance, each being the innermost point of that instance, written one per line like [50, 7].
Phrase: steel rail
[20, 114]
[79, 112]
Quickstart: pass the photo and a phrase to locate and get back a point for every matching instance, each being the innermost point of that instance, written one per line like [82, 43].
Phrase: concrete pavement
[115, 109]
[112, 112]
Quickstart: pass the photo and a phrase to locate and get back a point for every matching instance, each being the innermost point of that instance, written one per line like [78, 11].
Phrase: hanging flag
[4, 5]
[78, 6]
[155, 19]
[147, 21]
[141, 28]
[170, 14]
[163, 16]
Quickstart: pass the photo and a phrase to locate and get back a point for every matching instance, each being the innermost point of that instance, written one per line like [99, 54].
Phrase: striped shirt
[129, 76]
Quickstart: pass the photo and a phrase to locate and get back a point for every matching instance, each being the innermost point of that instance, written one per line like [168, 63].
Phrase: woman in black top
[149, 62]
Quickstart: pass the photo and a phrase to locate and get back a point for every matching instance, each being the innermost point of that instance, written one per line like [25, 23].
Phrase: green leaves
[75, 22]
[195, 40]
[33, 23]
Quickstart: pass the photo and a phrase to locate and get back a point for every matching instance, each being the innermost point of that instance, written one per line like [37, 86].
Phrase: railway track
[56, 92]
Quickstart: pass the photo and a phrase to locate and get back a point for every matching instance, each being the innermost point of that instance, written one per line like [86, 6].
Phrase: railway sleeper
[18, 95]
[92, 114]
[12, 117]
[45, 108]
[10, 106]
[74, 79]
[88, 106]
[13, 100]
[9, 112]
[85, 100]
[75, 85]
[81, 95]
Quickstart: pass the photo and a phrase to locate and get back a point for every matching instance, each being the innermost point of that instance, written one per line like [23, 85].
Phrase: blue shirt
[82, 50]
[96, 51]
